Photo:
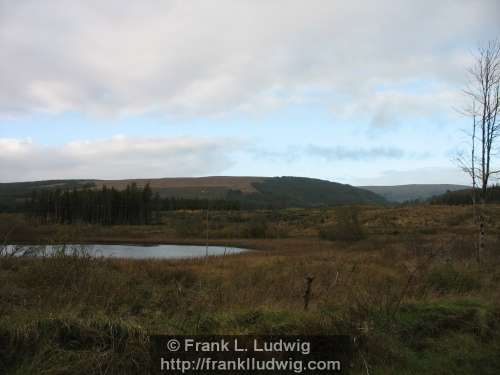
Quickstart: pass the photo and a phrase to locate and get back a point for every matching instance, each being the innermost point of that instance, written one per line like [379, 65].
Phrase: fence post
[307, 293]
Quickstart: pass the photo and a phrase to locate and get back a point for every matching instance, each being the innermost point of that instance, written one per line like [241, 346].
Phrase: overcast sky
[360, 92]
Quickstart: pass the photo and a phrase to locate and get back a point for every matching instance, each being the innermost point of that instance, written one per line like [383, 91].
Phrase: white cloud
[199, 57]
[114, 158]
[395, 105]
[359, 154]
[426, 175]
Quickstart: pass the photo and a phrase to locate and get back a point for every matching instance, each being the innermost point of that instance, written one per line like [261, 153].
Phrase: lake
[138, 251]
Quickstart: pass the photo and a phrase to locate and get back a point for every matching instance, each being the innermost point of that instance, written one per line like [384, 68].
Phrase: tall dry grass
[413, 297]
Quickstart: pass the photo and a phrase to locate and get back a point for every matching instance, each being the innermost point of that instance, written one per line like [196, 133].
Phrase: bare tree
[484, 93]
[469, 165]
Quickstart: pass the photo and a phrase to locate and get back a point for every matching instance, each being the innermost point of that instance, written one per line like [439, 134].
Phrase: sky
[358, 92]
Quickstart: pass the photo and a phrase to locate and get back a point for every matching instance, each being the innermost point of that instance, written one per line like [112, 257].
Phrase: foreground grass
[415, 301]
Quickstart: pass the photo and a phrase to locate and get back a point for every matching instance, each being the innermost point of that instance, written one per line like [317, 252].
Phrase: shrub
[446, 279]
[190, 226]
[255, 229]
[347, 226]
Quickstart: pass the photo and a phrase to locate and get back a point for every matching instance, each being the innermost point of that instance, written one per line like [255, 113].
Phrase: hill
[463, 197]
[244, 184]
[251, 192]
[403, 193]
[308, 192]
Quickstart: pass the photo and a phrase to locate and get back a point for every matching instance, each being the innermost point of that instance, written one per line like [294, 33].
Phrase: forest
[464, 197]
[133, 205]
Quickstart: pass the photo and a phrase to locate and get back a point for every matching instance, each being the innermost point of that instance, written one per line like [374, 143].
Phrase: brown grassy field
[406, 286]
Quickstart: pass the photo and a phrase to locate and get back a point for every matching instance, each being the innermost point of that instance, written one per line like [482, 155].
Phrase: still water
[132, 251]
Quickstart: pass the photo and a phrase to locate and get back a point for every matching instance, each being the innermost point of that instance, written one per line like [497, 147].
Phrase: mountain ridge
[251, 192]
[412, 192]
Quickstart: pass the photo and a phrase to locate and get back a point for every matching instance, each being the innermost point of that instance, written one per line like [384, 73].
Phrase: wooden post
[480, 246]
[307, 293]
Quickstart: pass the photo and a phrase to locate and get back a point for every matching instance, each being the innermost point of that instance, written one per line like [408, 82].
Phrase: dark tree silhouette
[106, 206]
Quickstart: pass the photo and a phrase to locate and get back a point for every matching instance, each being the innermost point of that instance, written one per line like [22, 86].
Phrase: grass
[415, 299]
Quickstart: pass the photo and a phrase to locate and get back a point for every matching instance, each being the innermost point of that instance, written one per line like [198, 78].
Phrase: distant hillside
[251, 192]
[306, 192]
[403, 193]
[464, 197]
[244, 184]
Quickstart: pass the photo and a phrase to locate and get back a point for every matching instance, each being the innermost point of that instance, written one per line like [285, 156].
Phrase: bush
[347, 226]
[446, 279]
[255, 229]
[190, 226]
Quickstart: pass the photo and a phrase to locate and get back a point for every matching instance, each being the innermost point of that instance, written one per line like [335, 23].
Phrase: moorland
[402, 279]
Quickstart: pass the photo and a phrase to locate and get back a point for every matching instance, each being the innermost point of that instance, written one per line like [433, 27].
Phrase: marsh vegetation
[409, 289]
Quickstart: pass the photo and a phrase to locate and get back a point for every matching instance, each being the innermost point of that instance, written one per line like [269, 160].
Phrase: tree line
[107, 206]
[463, 197]
[133, 205]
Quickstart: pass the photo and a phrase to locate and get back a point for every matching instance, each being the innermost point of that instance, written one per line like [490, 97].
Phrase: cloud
[395, 105]
[345, 153]
[290, 155]
[121, 157]
[294, 153]
[115, 158]
[426, 175]
[196, 58]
